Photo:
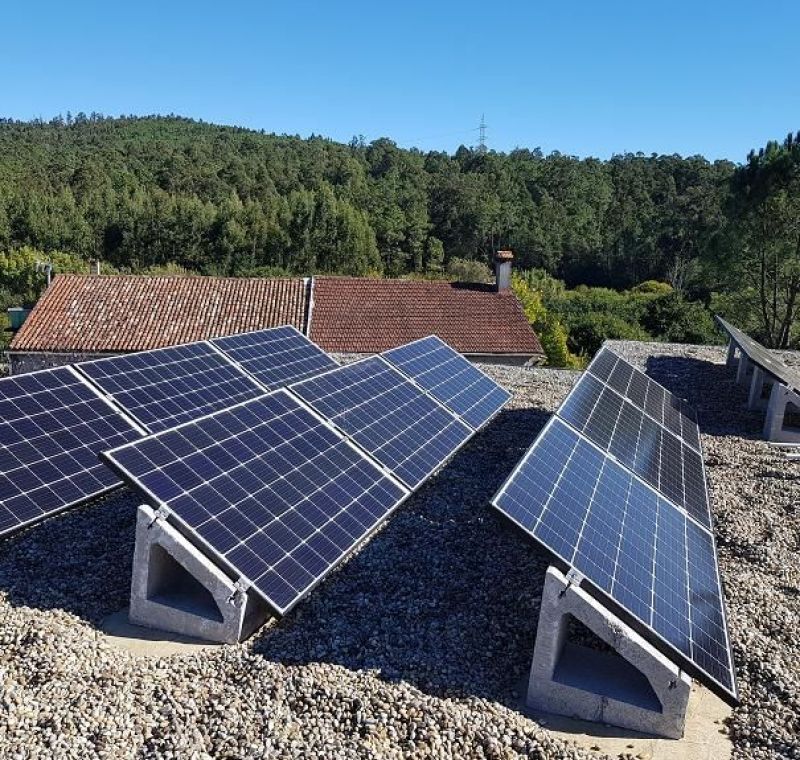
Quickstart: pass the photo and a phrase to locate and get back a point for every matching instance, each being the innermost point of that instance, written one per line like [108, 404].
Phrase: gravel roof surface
[418, 645]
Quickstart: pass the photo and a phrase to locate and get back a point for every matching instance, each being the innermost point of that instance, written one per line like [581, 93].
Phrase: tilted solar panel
[650, 450]
[276, 357]
[664, 407]
[761, 355]
[169, 386]
[268, 487]
[388, 416]
[637, 550]
[450, 378]
[52, 427]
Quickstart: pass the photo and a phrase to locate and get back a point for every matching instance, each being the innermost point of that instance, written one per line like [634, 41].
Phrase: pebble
[414, 648]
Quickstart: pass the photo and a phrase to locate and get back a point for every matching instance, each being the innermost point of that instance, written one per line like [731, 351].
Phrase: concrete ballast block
[775, 428]
[640, 689]
[176, 587]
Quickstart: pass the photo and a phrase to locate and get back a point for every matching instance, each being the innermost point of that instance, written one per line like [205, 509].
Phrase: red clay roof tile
[362, 315]
[115, 313]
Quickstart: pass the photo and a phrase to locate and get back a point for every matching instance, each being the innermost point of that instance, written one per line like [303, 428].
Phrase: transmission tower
[482, 135]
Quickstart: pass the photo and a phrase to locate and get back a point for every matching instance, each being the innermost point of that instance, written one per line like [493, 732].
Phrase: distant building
[85, 316]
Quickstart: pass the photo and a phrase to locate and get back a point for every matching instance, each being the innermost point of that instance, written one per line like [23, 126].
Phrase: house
[85, 316]
[365, 316]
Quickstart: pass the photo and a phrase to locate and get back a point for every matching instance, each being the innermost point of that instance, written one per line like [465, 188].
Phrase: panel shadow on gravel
[446, 596]
[78, 561]
[711, 389]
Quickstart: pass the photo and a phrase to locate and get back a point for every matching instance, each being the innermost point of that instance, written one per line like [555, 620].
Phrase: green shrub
[587, 332]
[551, 332]
[468, 270]
[674, 319]
[652, 287]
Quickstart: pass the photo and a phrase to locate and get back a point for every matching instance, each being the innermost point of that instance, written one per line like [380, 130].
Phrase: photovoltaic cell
[650, 450]
[276, 357]
[166, 387]
[52, 427]
[267, 487]
[634, 547]
[450, 378]
[388, 416]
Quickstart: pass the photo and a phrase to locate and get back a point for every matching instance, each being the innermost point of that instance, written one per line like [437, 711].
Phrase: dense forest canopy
[138, 193]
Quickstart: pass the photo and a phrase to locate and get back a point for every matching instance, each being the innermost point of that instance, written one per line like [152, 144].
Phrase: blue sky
[585, 78]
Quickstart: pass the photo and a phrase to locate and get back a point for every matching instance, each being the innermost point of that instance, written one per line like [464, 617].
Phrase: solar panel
[761, 356]
[169, 386]
[450, 378]
[664, 407]
[636, 549]
[621, 429]
[276, 357]
[388, 416]
[52, 427]
[268, 487]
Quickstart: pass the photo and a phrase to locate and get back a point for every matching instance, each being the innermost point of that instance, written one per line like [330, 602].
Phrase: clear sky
[583, 77]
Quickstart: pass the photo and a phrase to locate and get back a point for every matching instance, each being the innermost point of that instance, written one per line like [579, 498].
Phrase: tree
[759, 252]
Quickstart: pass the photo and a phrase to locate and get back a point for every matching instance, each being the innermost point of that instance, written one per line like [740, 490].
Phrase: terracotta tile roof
[362, 315]
[117, 313]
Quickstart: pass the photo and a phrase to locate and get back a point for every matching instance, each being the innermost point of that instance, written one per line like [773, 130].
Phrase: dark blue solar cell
[526, 493]
[166, 387]
[671, 588]
[561, 523]
[603, 420]
[597, 550]
[603, 363]
[450, 378]
[578, 406]
[284, 515]
[276, 357]
[621, 377]
[52, 428]
[384, 413]
[633, 582]
[709, 633]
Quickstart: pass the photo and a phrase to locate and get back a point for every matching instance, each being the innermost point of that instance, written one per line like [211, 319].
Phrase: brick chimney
[502, 270]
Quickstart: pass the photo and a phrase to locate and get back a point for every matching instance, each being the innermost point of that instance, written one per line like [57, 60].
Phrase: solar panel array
[388, 416]
[599, 488]
[282, 487]
[52, 426]
[269, 487]
[450, 378]
[276, 357]
[761, 355]
[98, 404]
[168, 386]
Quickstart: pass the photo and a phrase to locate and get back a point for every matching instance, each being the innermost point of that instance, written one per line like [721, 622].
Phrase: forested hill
[142, 192]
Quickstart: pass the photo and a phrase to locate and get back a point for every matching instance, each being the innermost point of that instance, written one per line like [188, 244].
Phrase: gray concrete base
[758, 382]
[730, 357]
[640, 689]
[175, 587]
[743, 369]
[774, 423]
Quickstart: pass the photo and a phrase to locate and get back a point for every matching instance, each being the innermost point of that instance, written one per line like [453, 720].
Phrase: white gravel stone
[417, 646]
